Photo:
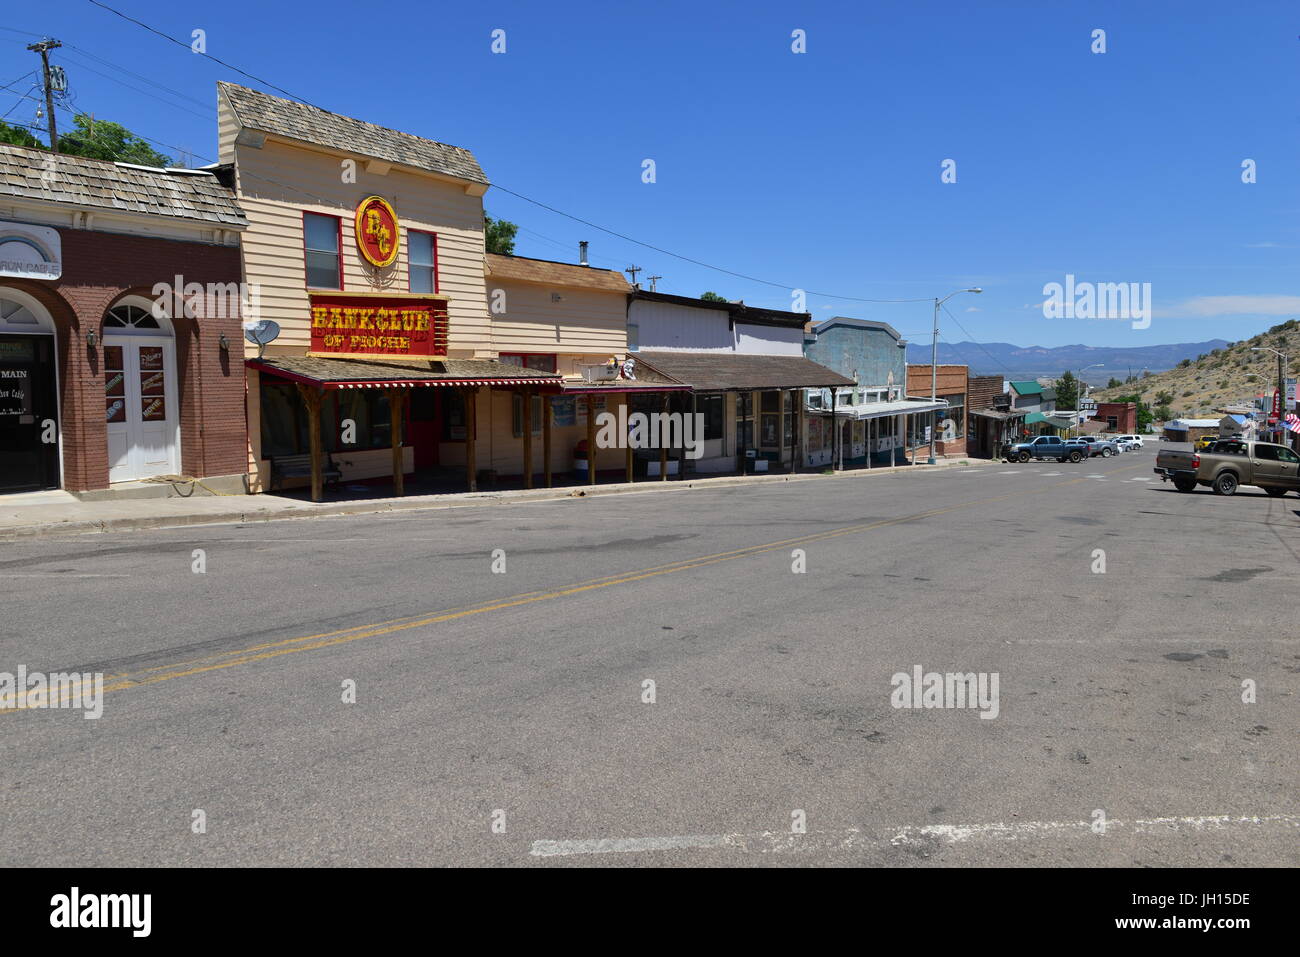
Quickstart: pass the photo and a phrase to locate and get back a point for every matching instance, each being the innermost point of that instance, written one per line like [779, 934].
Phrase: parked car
[1096, 445]
[1231, 463]
[1045, 447]
[1133, 440]
[1205, 441]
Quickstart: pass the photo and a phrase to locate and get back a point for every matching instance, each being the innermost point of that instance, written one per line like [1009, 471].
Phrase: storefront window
[713, 407]
[454, 419]
[422, 261]
[321, 241]
[284, 420]
[517, 415]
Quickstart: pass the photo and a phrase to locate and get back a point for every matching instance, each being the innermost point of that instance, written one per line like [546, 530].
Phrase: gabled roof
[1026, 387]
[855, 323]
[551, 273]
[310, 124]
[34, 174]
[723, 371]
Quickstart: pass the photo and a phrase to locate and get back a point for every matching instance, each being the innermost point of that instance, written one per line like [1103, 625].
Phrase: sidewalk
[42, 514]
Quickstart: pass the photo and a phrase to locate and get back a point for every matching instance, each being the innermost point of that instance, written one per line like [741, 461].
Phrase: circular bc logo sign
[377, 233]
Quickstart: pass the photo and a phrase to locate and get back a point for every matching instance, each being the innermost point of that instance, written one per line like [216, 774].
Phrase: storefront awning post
[471, 426]
[591, 439]
[664, 432]
[546, 438]
[395, 418]
[311, 398]
[528, 437]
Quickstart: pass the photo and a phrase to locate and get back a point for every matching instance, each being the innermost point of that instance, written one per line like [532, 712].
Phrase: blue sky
[818, 170]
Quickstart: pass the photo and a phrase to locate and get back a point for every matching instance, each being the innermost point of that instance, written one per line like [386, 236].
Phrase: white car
[1129, 443]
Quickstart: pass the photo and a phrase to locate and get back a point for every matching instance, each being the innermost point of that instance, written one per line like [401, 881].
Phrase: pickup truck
[1230, 463]
[1095, 445]
[1045, 447]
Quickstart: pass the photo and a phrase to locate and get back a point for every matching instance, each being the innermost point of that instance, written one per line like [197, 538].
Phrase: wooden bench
[299, 466]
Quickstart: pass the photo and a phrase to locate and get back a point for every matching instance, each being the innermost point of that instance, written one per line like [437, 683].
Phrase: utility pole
[632, 271]
[44, 48]
[652, 281]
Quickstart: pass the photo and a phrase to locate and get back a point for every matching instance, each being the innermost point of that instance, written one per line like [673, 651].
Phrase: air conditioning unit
[599, 373]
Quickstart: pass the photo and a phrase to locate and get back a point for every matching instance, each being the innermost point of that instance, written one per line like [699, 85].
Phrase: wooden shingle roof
[27, 173]
[310, 124]
[550, 273]
[724, 371]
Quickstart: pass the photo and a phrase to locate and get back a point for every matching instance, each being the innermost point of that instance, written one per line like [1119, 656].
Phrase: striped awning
[326, 372]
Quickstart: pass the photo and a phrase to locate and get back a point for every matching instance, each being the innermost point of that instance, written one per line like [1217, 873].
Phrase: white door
[140, 407]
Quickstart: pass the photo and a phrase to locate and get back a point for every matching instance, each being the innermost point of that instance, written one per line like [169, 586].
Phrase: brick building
[106, 377]
[952, 382]
[1120, 417]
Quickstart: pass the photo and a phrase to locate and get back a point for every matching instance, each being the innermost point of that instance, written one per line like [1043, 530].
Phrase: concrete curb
[246, 516]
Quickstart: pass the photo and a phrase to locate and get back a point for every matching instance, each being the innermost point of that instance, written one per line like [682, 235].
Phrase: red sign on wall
[343, 325]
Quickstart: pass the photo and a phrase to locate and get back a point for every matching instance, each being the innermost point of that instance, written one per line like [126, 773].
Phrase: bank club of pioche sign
[355, 325]
[378, 236]
[349, 325]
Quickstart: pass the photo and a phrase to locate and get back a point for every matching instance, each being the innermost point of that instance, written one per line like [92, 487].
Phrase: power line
[190, 47]
[969, 337]
[527, 199]
[136, 89]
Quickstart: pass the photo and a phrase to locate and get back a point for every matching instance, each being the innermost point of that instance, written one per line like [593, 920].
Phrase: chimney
[582, 253]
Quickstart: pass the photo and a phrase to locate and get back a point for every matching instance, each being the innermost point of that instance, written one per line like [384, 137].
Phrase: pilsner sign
[343, 325]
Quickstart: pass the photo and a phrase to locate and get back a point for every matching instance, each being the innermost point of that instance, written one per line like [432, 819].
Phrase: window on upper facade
[422, 261]
[324, 259]
[541, 362]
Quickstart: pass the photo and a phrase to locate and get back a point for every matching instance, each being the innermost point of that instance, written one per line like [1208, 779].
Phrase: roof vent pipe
[582, 253]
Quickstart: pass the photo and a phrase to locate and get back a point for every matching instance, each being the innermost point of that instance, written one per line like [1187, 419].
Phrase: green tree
[1067, 391]
[1164, 397]
[17, 136]
[1164, 413]
[104, 140]
[1113, 383]
[712, 297]
[499, 235]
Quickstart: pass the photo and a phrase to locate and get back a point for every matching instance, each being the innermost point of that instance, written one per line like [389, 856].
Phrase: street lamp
[1086, 387]
[934, 363]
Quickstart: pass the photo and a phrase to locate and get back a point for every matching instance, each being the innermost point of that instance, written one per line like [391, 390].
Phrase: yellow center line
[275, 649]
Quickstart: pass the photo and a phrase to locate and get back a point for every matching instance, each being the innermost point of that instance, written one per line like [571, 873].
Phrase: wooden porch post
[546, 438]
[311, 397]
[663, 446]
[395, 418]
[471, 422]
[893, 442]
[627, 454]
[528, 437]
[591, 439]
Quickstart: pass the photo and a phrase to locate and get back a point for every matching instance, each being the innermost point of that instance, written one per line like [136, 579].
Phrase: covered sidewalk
[315, 376]
[873, 438]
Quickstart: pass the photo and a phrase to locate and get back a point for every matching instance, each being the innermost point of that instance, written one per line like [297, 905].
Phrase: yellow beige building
[384, 343]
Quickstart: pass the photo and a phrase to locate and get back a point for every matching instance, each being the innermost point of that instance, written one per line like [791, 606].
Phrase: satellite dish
[261, 332]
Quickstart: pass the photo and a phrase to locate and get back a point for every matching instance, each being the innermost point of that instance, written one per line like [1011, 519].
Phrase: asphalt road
[1119, 691]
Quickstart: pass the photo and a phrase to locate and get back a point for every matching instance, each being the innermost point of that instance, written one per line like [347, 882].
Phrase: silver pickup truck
[1230, 463]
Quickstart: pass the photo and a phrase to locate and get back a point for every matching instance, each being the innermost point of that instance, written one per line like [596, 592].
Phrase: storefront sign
[343, 325]
[30, 252]
[378, 234]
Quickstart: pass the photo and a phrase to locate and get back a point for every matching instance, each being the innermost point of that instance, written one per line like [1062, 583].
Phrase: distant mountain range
[1030, 362]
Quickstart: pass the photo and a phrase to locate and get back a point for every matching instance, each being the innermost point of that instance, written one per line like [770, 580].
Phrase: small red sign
[379, 326]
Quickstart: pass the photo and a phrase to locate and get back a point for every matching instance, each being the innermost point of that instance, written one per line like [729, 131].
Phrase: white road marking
[1012, 472]
[1140, 478]
[776, 842]
[1053, 473]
